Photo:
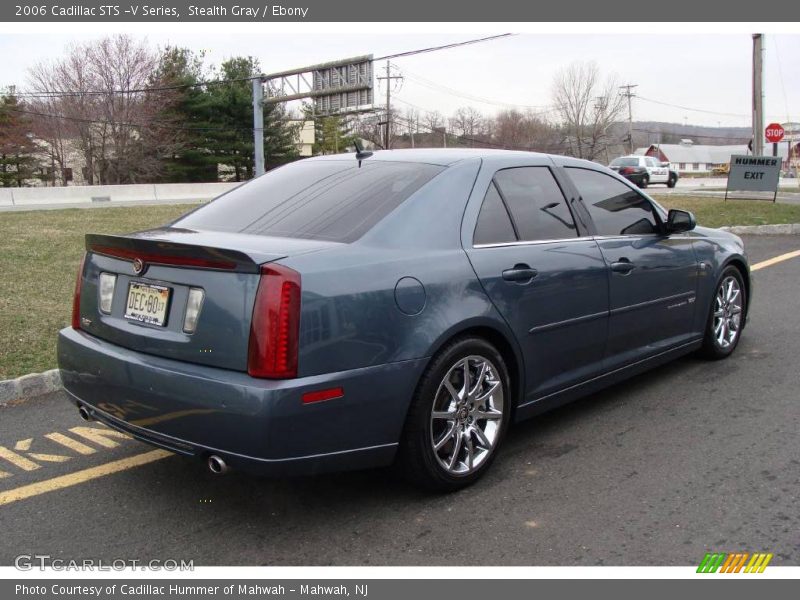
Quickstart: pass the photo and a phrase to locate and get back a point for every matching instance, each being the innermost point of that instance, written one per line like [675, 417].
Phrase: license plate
[147, 303]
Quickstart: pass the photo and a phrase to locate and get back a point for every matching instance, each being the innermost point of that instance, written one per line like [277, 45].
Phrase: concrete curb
[29, 386]
[785, 229]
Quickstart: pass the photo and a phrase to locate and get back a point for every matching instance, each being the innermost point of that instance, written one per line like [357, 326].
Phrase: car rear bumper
[636, 178]
[256, 425]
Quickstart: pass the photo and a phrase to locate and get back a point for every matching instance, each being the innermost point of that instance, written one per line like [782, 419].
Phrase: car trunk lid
[154, 273]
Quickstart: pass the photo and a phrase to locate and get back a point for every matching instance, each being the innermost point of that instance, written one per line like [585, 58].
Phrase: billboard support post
[258, 126]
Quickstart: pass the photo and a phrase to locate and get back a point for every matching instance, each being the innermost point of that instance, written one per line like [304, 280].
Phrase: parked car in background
[346, 312]
[721, 170]
[644, 170]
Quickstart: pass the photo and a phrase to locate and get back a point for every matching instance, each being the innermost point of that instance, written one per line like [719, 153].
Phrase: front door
[652, 276]
[548, 282]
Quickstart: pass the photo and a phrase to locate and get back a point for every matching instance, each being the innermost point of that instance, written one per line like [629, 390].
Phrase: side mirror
[665, 164]
[679, 221]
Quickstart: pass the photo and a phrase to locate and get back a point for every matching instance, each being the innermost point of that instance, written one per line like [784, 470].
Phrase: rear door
[658, 174]
[653, 277]
[545, 276]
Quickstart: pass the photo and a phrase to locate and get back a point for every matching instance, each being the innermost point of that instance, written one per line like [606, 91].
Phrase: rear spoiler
[158, 247]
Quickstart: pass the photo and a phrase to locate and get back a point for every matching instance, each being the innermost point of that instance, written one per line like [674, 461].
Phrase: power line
[445, 46]
[448, 90]
[699, 110]
[695, 135]
[82, 93]
[152, 125]
[74, 93]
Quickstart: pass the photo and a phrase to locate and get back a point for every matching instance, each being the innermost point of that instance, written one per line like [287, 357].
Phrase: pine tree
[332, 134]
[18, 161]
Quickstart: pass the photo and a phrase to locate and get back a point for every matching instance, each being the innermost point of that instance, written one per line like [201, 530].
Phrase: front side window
[538, 208]
[615, 208]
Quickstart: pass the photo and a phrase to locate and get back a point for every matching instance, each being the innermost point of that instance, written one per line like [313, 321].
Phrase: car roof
[436, 156]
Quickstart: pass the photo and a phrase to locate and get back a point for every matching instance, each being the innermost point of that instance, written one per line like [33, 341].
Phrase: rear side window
[494, 224]
[625, 162]
[327, 200]
[538, 208]
[615, 208]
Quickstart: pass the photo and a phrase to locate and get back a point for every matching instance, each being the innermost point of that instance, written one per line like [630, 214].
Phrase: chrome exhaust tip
[217, 465]
[84, 414]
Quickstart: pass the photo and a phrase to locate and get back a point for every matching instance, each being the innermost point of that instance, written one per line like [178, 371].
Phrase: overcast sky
[710, 72]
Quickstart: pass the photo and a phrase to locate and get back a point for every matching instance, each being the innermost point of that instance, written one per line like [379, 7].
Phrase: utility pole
[388, 123]
[758, 94]
[600, 105]
[629, 94]
[258, 126]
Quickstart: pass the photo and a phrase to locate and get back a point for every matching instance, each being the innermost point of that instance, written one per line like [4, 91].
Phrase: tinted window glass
[329, 200]
[616, 209]
[536, 203]
[625, 162]
[494, 225]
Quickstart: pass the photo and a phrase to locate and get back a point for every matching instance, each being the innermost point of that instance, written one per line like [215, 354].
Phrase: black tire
[712, 348]
[644, 182]
[417, 459]
[672, 181]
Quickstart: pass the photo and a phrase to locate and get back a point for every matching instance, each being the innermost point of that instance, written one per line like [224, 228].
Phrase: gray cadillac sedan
[405, 307]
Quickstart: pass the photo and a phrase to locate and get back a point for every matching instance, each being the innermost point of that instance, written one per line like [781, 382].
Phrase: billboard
[335, 87]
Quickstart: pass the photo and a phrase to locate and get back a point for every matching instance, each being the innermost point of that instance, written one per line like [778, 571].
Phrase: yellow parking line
[65, 481]
[775, 260]
[75, 445]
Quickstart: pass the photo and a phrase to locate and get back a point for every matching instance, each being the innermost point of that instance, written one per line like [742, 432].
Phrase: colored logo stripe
[734, 562]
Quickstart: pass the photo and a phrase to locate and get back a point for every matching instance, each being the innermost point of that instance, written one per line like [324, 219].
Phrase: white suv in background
[644, 170]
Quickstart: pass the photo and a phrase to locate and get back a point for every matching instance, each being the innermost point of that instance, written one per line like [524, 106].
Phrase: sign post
[754, 174]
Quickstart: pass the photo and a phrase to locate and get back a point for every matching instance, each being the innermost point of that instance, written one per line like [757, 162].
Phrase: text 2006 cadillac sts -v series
[353, 311]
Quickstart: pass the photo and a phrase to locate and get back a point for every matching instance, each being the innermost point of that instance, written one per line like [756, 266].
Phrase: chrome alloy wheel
[727, 312]
[467, 415]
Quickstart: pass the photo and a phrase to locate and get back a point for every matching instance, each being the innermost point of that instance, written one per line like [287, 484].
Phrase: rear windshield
[327, 200]
[625, 162]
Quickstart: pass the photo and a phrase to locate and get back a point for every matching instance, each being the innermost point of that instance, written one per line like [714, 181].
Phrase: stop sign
[774, 132]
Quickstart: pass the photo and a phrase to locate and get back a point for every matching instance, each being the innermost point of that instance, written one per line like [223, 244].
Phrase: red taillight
[76, 297]
[275, 327]
[627, 170]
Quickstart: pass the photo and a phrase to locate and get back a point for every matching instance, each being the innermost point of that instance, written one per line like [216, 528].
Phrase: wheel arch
[741, 265]
[502, 339]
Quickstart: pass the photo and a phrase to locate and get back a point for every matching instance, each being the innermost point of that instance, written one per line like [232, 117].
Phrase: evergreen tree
[189, 112]
[18, 160]
[332, 134]
[216, 120]
[231, 106]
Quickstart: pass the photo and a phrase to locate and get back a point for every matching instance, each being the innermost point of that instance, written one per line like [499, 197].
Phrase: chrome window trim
[533, 242]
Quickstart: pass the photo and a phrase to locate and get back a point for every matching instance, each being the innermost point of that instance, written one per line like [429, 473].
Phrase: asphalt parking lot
[693, 457]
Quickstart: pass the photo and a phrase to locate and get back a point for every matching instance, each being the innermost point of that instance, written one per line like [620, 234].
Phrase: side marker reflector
[322, 395]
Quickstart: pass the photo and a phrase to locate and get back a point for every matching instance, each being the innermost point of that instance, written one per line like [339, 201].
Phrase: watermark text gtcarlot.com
[29, 562]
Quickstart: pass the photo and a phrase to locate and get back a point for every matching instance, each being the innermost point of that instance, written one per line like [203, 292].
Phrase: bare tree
[587, 107]
[117, 131]
[433, 120]
[519, 130]
[467, 122]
